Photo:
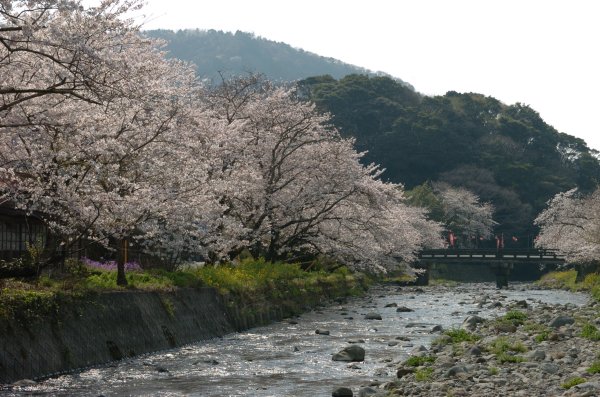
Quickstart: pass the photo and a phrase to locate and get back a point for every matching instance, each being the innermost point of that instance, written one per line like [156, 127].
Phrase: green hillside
[506, 154]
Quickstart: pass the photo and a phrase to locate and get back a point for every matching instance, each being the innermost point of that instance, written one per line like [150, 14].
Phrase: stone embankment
[535, 349]
[100, 328]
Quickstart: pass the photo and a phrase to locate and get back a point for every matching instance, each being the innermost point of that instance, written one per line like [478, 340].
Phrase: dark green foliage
[595, 368]
[506, 350]
[459, 335]
[573, 382]
[589, 331]
[17, 267]
[507, 155]
[417, 361]
[515, 317]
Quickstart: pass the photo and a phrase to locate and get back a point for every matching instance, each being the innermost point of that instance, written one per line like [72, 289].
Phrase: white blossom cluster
[108, 139]
[571, 224]
[464, 214]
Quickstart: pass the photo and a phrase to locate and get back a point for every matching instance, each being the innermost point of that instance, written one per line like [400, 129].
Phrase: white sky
[543, 53]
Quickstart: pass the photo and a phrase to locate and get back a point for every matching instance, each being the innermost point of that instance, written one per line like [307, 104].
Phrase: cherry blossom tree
[459, 209]
[571, 224]
[96, 126]
[291, 185]
[112, 142]
[53, 49]
[463, 213]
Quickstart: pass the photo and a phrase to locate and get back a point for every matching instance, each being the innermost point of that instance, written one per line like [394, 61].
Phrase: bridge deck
[491, 255]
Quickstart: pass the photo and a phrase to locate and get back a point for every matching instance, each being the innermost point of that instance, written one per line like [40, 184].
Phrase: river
[288, 358]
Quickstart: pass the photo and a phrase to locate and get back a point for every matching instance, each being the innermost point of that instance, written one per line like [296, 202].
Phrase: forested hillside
[506, 154]
[239, 53]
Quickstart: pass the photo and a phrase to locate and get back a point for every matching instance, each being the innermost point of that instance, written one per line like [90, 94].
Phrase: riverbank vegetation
[249, 280]
[567, 279]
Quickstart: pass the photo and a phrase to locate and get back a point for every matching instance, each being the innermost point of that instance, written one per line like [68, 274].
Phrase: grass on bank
[417, 361]
[455, 336]
[249, 279]
[573, 382]
[595, 368]
[506, 351]
[568, 280]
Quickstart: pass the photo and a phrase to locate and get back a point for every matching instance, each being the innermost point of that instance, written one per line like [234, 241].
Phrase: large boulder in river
[373, 316]
[471, 322]
[350, 353]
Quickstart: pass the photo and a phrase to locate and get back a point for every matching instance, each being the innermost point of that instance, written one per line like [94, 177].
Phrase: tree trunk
[122, 259]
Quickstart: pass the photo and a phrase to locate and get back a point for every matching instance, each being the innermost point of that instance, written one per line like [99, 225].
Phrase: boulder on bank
[350, 353]
[342, 392]
[471, 322]
[559, 321]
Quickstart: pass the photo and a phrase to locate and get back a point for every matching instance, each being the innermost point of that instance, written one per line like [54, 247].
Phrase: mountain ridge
[234, 53]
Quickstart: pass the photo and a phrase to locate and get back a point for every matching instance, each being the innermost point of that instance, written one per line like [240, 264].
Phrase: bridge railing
[482, 253]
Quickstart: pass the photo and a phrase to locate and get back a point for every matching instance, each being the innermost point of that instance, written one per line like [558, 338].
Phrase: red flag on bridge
[500, 241]
[451, 239]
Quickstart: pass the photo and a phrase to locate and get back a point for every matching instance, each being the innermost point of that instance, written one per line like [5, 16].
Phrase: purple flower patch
[110, 265]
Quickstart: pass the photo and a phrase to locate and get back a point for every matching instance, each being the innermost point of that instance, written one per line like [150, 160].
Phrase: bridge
[500, 261]
[482, 255]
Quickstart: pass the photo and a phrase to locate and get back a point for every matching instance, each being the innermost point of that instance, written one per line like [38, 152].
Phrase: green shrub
[417, 361]
[572, 382]
[540, 331]
[516, 317]
[589, 331]
[542, 336]
[567, 280]
[562, 279]
[509, 358]
[503, 345]
[18, 267]
[423, 374]
[505, 351]
[27, 306]
[168, 306]
[460, 335]
[595, 368]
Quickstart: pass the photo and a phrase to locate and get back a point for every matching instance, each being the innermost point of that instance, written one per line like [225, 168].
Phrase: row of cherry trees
[111, 141]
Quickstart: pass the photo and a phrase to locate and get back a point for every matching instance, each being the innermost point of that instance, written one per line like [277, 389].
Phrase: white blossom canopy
[571, 224]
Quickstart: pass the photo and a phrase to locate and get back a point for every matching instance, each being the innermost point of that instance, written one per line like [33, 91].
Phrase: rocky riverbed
[393, 341]
[534, 349]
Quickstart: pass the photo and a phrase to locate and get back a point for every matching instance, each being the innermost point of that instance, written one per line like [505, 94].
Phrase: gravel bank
[536, 349]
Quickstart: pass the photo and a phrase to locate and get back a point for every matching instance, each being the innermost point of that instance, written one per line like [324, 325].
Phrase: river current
[289, 358]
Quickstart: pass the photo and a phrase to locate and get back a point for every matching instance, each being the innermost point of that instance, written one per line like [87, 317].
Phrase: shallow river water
[288, 358]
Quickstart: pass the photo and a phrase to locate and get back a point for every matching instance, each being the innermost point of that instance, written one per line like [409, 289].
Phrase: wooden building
[18, 230]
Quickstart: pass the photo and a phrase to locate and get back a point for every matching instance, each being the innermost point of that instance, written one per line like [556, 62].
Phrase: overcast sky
[545, 53]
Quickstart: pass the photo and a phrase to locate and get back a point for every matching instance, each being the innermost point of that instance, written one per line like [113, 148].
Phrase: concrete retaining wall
[109, 327]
